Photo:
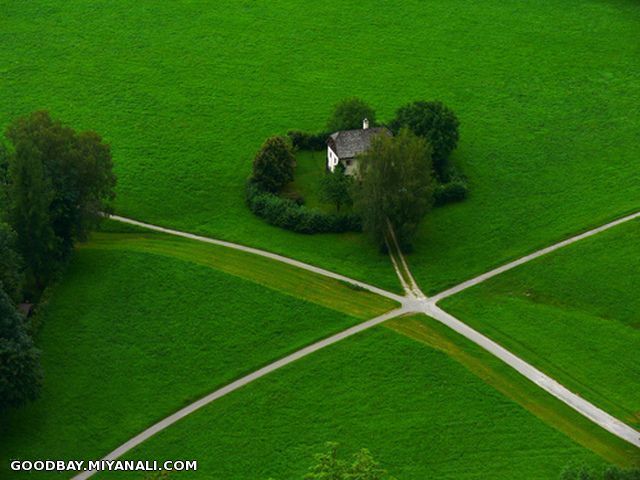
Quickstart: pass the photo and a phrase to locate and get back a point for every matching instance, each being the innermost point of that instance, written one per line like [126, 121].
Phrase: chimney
[365, 123]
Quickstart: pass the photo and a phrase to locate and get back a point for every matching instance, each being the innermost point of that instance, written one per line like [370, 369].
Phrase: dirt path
[430, 308]
[414, 302]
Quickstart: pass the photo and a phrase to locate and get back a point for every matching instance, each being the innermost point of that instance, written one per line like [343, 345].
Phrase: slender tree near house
[336, 188]
[396, 186]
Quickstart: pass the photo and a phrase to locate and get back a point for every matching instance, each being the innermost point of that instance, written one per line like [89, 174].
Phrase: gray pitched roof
[349, 143]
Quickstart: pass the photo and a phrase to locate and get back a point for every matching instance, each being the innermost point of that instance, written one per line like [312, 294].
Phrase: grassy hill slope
[546, 92]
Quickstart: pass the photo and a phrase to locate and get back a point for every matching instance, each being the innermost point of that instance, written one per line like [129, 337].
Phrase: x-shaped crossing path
[414, 301]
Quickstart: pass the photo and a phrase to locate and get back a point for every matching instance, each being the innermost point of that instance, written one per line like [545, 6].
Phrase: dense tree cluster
[437, 124]
[58, 183]
[54, 185]
[20, 373]
[398, 181]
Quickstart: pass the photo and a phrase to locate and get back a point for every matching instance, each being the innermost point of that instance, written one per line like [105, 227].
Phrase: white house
[345, 146]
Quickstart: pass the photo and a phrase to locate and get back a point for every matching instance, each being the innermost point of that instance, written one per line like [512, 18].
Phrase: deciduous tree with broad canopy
[58, 183]
[396, 186]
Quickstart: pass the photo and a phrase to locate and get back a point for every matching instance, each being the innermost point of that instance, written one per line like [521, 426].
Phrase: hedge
[289, 214]
[308, 141]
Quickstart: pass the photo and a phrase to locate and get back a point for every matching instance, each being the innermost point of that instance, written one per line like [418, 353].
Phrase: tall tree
[20, 372]
[59, 183]
[437, 124]
[30, 197]
[349, 113]
[336, 187]
[274, 164]
[78, 167]
[396, 186]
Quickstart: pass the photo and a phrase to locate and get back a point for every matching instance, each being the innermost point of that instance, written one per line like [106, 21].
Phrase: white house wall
[332, 159]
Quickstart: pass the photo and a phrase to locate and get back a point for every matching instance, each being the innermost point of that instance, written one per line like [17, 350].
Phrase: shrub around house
[308, 141]
[289, 214]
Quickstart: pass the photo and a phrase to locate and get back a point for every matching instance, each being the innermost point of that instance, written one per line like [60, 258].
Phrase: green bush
[349, 113]
[288, 214]
[454, 191]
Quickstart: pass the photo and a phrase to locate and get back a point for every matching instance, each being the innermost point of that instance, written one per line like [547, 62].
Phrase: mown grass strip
[330, 293]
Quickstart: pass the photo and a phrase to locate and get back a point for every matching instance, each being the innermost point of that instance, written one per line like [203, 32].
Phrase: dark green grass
[420, 413]
[574, 314]
[130, 337]
[546, 92]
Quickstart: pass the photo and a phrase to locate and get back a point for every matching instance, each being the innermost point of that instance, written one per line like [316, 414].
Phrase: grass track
[546, 92]
[574, 314]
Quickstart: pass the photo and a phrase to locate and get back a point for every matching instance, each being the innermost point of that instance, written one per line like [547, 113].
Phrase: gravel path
[414, 302]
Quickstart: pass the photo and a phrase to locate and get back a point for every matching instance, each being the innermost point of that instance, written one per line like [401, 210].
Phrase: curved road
[414, 302]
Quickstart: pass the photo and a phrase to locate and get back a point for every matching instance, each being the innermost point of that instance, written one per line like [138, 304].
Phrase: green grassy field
[574, 314]
[428, 418]
[186, 92]
[129, 337]
[299, 283]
